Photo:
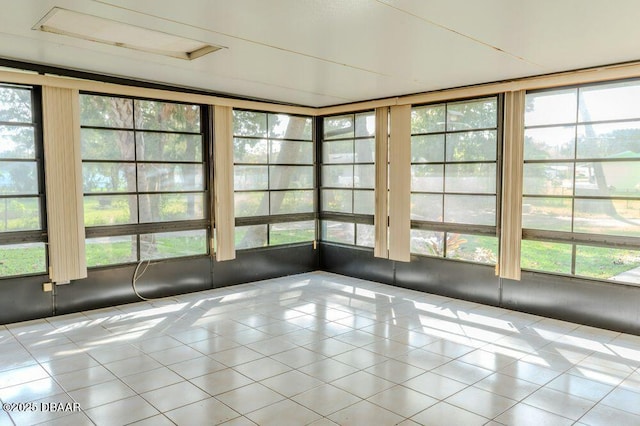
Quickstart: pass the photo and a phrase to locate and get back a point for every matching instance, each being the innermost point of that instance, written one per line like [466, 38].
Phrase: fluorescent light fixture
[114, 33]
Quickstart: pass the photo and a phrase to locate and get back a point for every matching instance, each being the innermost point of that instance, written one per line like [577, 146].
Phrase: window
[348, 179]
[581, 204]
[145, 180]
[454, 179]
[22, 240]
[273, 179]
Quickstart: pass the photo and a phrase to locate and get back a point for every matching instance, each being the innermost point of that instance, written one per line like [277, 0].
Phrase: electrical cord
[136, 277]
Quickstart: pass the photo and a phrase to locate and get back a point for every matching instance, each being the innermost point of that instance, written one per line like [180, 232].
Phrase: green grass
[19, 214]
[166, 246]
[290, 236]
[122, 250]
[22, 260]
[545, 256]
[604, 263]
[474, 248]
[295, 234]
[113, 253]
[115, 212]
[593, 262]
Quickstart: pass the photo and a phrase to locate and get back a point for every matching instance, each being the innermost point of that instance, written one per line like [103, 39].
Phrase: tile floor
[317, 349]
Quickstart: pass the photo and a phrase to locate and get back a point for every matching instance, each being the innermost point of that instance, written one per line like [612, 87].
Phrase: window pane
[112, 250]
[366, 124]
[17, 142]
[285, 202]
[472, 248]
[154, 163]
[292, 232]
[102, 210]
[549, 143]
[168, 147]
[16, 105]
[548, 179]
[553, 214]
[251, 236]
[101, 144]
[19, 214]
[427, 207]
[251, 204]
[365, 235]
[338, 232]
[337, 176]
[250, 151]
[290, 177]
[22, 259]
[339, 127]
[611, 140]
[476, 114]
[608, 263]
[170, 177]
[552, 107]
[546, 257]
[249, 123]
[106, 111]
[287, 152]
[365, 151]
[171, 207]
[472, 146]
[364, 176]
[427, 149]
[250, 177]
[610, 217]
[471, 209]
[338, 152]
[608, 179]
[363, 202]
[616, 101]
[167, 116]
[284, 126]
[428, 178]
[18, 177]
[427, 243]
[173, 244]
[617, 144]
[428, 119]
[337, 200]
[108, 177]
[475, 178]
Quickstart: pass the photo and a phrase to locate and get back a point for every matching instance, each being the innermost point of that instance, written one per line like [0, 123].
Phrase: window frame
[572, 238]
[140, 229]
[38, 236]
[354, 219]
[269, 219]
[453, 228]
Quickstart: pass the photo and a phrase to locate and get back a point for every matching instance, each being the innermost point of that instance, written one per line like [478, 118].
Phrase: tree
[148, 132]
[17, 142]
[259, 127]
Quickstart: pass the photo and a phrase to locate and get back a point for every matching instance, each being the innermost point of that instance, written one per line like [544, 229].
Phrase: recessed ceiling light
[114, 33]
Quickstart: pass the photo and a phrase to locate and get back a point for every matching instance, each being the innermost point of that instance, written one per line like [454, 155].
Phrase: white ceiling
[327, 52]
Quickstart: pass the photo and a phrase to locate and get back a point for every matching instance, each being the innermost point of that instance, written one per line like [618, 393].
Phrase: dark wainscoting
[265, 263]
[23, 299]
[595, 303]
[599, 304]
